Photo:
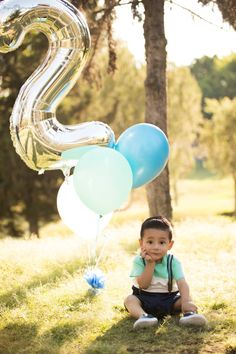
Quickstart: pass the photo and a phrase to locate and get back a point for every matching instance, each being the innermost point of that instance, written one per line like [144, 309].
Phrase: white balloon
[76, 216]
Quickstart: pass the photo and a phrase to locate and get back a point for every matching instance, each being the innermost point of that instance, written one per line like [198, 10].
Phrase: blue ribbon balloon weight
[94, 276]
[96, 279]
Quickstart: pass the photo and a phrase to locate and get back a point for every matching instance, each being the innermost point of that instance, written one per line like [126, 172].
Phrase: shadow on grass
[229, 214]
[18, 294]
[23, 338]
[60, 334]
[88, 298]
[167, 337]
[14, 337]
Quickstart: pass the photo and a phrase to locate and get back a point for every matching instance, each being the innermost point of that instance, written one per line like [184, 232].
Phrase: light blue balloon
[103, 180]
[77, 152]
[146, 148]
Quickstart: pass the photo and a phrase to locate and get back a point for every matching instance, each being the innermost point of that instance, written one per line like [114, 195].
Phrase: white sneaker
[193, 319]
[145, 321]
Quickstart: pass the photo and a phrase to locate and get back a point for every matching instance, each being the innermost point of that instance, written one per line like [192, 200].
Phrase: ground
[46, 308]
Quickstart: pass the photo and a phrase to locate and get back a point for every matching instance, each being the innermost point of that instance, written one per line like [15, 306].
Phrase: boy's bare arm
[144, 280]
[186, 301]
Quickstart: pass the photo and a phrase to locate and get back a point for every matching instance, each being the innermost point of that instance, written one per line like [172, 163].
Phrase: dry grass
[46, 308]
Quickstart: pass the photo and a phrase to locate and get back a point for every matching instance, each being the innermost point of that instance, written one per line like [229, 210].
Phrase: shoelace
[186, 314]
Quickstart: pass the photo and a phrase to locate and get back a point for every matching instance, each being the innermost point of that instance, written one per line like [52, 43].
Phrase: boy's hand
[146, 256]
[188, 306]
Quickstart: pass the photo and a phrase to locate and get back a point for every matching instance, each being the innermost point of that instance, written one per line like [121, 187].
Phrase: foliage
[184, 118]
[216, 77]
[117, 99]
[28, 198]
[25, 196]
[100, 16]
[219, 137]
[155, 109]
[227, 9]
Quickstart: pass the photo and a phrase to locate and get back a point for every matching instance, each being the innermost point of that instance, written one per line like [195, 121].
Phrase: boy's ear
[140, 242]
[170, 244]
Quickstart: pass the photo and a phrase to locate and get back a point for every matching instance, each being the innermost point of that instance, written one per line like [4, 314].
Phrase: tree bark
[158, 191]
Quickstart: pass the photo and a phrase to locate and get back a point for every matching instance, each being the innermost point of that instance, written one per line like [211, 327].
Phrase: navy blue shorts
[157, 304]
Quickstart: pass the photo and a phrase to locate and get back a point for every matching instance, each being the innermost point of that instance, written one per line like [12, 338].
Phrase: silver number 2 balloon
[37, 135]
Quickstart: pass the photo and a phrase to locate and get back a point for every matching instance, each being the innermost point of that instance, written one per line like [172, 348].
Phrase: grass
[205, 198]
[46, 308]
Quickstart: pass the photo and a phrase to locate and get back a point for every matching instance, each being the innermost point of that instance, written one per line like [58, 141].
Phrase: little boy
[159, 286]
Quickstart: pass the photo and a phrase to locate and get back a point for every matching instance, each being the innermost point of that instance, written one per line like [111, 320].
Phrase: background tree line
[27, 199]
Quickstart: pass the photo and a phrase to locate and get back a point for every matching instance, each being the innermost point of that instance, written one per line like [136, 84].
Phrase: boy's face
[155, 243]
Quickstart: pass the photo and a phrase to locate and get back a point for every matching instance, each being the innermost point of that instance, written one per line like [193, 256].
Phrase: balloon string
[66, 173]
[92, 251]
[101, 253]
[89, 255]
[96, 239]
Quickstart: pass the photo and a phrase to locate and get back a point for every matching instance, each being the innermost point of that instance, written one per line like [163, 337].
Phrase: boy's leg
[190, 318]
[177, 305]
[133, 306]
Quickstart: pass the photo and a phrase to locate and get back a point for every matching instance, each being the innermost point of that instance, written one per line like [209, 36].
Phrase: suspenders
[169, 270]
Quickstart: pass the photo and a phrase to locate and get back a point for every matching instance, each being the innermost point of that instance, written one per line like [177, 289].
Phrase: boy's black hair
[157, 222]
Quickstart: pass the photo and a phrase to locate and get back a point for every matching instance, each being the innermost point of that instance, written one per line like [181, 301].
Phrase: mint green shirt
[159, 282]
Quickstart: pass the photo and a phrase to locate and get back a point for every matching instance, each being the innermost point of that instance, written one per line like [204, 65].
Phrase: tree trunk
[158, 191]
[33, 226]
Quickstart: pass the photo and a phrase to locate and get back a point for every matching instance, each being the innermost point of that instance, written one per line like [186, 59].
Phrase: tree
[155, 43]
[158, 191]
[227, 9]
[216, 77]
[184, 119]
[117, 99]
[27, 199]
[219, 137]
[100, 16]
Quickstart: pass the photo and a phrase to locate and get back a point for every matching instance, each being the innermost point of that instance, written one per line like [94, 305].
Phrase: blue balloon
[146, 148]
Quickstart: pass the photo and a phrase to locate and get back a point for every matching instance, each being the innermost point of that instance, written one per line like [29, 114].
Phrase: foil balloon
[37, 135]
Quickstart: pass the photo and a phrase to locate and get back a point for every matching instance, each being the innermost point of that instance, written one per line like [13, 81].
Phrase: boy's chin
[157, 259]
